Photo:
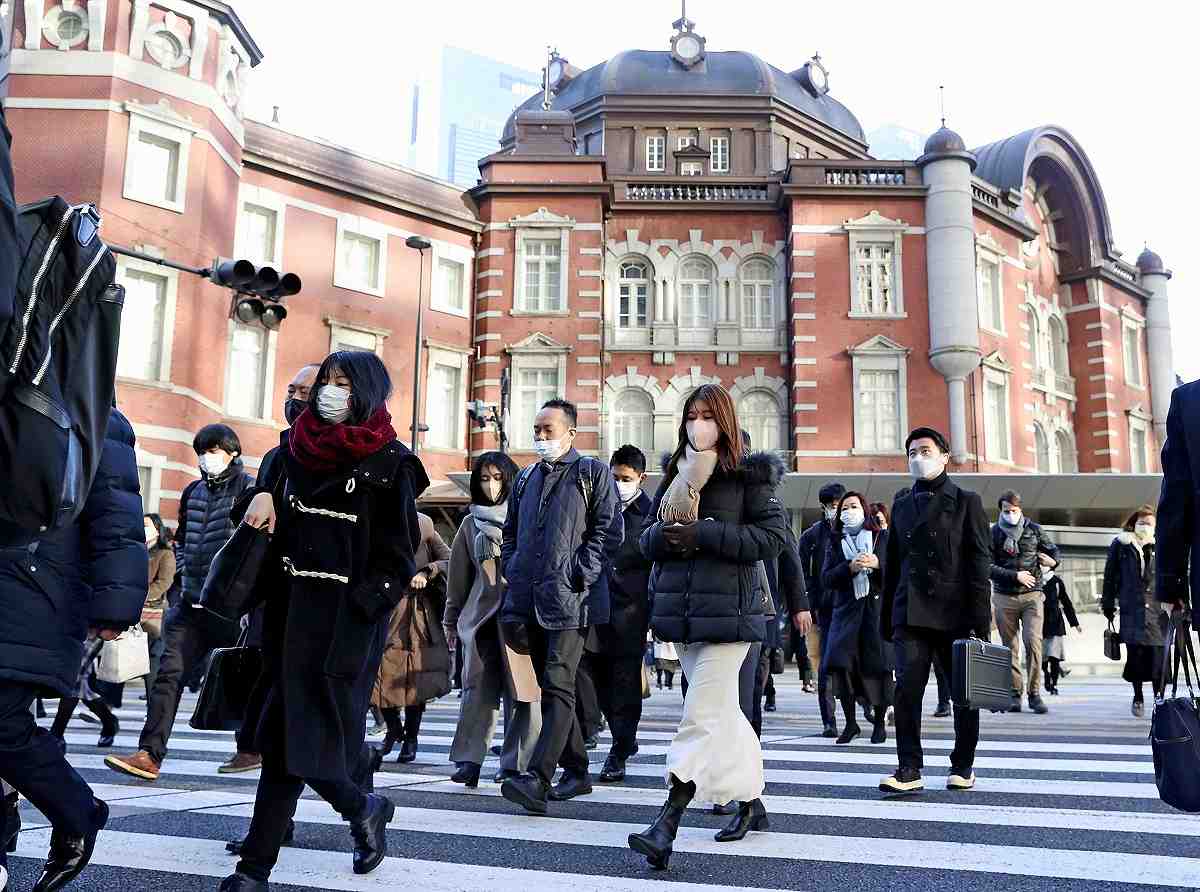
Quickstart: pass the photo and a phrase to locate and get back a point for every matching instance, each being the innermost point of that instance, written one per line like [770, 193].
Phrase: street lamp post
[419, 244]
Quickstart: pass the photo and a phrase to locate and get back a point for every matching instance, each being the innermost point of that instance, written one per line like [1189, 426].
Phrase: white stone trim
[537, 351]
[542, 224]
[875, 228]
[363, 227]
[163, 124]
[464, 257]
[997, 371]
[263, 198]
[338, 330]
[881, 353]
[461, 361]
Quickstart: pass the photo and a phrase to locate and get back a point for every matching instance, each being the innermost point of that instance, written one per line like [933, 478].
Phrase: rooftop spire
[942, 101]
[683, 23]
[551, 55]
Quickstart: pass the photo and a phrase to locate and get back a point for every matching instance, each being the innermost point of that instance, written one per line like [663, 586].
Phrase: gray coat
[474, 590]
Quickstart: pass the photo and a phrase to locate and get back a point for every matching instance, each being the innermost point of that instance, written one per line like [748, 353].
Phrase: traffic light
[260, 290]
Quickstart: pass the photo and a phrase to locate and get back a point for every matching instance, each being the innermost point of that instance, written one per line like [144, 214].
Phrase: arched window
[633, 421]
[633, 302]
[762, 419]
[1036, 336]
[1057, 348]
[1067, 463]
[695, 300]
[1042, 445]
[758, 299]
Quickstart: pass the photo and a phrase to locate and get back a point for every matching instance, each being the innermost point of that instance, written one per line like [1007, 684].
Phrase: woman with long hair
[346, 531]
[858, 662]
[475, 589]
[716, 516]
[1129, 587]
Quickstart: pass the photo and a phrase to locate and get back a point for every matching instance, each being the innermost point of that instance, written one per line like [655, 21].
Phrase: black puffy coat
[853, 639]
[715, 593]
[206, 523]
[1005, 567]
[1129, 586]
[628, 578]
[93, 573]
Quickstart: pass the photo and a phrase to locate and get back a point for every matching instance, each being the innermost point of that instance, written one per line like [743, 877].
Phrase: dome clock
[687, 47]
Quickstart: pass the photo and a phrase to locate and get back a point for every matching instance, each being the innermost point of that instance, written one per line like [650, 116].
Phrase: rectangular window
[684, 141]
[719, 148]
[632, 312]
[145, 475]
[445, 396]
[141, 349]
[353, 339]
[156, 171]
[995, 404]
[257, 231]
[1138, 450]
[543, 275]
[450, 285]
[534, 388]
[656, 147]
[691, 169]
[1132, 348]
[991, 307]
[360, 261]
[247, 371]
[879, 410]
[873, 290]
[695, 305]
[758, 305]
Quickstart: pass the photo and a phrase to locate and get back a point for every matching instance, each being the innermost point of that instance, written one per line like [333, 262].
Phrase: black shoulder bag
[1175, 725]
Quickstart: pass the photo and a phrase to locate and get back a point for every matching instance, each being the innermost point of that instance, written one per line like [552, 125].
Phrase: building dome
[1149, 262]
[943, 142]
[656, 73]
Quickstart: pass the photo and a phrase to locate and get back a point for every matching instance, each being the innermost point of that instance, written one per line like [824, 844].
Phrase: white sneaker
[905, 780]
[959, 782]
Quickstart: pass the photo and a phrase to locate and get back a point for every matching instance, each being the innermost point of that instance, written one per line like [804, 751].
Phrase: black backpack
[583, 480]
[58, 362]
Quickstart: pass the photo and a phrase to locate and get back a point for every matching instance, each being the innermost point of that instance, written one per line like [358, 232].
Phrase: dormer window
[691, 160]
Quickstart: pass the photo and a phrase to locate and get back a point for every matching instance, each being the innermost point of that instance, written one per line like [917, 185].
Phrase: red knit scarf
[325, 447]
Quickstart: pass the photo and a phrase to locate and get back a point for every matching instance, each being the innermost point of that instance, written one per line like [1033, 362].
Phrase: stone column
[1154, 278]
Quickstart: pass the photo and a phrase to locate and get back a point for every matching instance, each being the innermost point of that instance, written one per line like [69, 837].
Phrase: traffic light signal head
[260, 290]
[232, 273]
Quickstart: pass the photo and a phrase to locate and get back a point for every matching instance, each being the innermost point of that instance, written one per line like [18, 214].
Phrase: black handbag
[231, 587]
[777, 661]
[1175, 726]
[232, 673]
[982, 675]
[1112, 642]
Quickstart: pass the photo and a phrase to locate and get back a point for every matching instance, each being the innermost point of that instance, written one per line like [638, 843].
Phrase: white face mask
[703, 434]
[926, 467]
[628, 489]
[853, 518]
[151, 537]
[491, 489]
[1144, 530]
[830, 514]
[333, 403]
[548, 450]
[214, 463]
[1012, 518]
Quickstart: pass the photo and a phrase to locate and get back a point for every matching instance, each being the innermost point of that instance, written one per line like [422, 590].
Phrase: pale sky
[1120, 77]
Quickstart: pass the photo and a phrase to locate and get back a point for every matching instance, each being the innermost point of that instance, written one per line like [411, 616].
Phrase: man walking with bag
[563, 517]
[936, 588]
[814, 542]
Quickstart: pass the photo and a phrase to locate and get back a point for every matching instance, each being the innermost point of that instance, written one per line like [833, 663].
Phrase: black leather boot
[656, 841]
[751, 816]
[370, 834]
[412, 728]
[467, 774]
[395, 729]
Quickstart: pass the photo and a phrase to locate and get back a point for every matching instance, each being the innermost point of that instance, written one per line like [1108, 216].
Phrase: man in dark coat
[88, 579]
[190, 632]
[813, 544]
[616, 665]
[785, 578]
[1178, 532]
[936, 589]
[561, 517]
[1020, 549]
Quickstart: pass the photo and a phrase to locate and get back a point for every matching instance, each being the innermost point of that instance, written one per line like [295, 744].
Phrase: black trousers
[916, 651]
[618, 683]
[825, 686]
[33, 763]
[587, 700]
[190, 633]
[278, 793]
[556, 654]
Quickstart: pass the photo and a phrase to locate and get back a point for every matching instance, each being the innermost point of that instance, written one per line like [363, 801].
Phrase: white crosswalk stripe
[1075, 809]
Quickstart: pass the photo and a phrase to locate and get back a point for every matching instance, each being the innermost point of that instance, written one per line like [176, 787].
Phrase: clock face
[818, 77]
[688, 47]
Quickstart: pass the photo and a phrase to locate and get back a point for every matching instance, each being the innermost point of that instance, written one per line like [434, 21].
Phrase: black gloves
[681, 538]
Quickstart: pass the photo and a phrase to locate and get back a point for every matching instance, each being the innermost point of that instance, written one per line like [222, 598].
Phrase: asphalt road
[1065, 802]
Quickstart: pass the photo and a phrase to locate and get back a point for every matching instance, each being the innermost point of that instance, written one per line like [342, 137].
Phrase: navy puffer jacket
[93, 573]
[715, 594]
[206, 523]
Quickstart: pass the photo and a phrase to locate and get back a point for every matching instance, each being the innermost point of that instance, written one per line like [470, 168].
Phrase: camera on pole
[259, 291]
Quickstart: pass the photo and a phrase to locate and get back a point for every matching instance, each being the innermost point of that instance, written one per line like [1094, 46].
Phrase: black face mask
[292, 409]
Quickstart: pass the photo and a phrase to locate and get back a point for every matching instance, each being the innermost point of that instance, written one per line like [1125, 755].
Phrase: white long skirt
[715, 747]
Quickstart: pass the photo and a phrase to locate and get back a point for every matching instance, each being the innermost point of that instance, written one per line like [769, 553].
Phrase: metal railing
[683, 192]
[863, 176]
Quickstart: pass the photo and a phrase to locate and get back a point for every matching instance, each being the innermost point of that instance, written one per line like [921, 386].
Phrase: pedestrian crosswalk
[1065, 802]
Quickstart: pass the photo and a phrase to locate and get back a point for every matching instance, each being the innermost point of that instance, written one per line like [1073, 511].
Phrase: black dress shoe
[830, 730]
[408, 751]
[467, 774]
[943, 710]
[769, 706]
[235, 847]
[239, 882]
[724, 811]
[496, 751]
[370, 834]
[528, 791]
[750, 816]
[569, 787]
[614, 769]
[592, 742]
[69, 855]
[848, 734]
[504, 774]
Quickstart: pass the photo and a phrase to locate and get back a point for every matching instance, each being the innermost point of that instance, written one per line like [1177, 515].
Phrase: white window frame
[1134, 377]
[622, 282]
[268, 202]
[170, 300]
[691, 168]
[268, 398]
[155, 465]
[988, 270]
[1049, 439]
[656, 147]
[340, 332]
[461, 361]
[713, 299]
[875, 229]
[997, 373]
[1139, 427]
[718, 147]
[536, 352]
[1060, 456]
[749, 323]
[563, 234]
[617, 441]
[464, 258]
[362, 227]
[166, 127]
[683, 142]
[780, 419]
[881, 353]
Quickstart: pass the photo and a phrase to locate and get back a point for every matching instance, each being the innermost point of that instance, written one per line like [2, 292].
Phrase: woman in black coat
[1129, 585]
[1054, 626]
[716, 516]
[346, 531]
[852, 578]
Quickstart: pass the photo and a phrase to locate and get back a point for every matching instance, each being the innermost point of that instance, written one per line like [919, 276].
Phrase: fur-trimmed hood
[756, 467]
